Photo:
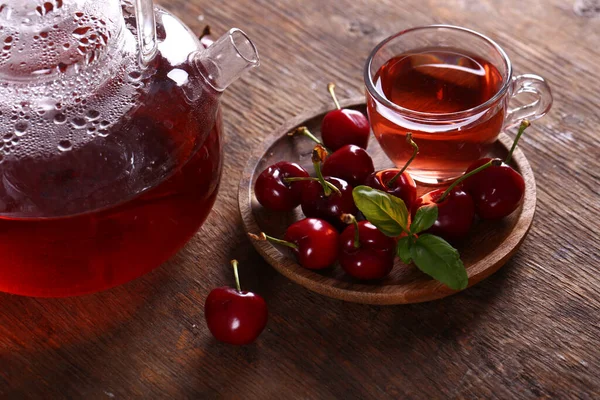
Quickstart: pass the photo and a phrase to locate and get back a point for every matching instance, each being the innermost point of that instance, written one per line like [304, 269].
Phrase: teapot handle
[146, 27]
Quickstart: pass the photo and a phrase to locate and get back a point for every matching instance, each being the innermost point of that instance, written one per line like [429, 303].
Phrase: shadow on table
[309, 335]
[42, 340]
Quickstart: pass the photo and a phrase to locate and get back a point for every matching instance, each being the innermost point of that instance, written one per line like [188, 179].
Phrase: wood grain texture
[488, 247]
[530, 331]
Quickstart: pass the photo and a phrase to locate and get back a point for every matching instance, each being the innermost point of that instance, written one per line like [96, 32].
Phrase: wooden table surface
[530, 331]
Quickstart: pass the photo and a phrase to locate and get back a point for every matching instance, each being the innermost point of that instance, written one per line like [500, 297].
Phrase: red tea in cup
[454, 101]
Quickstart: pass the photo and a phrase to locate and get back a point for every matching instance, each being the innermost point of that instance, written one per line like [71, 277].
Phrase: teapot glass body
[109, 161]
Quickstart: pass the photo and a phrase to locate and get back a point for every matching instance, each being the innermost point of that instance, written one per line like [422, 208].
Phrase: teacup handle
[529, 83]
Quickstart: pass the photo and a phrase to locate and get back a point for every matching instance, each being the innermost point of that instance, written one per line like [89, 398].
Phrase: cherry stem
[524, 125]
[305, 178]
[495, 162]
[318, 155]
[350, 219]
[263, 237]
[234, 264]
[331, 90]
[300, 179]
[414, 154]
[205, 32]
[302, 130]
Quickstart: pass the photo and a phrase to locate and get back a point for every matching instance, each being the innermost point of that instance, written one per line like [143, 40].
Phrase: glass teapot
[110, 139]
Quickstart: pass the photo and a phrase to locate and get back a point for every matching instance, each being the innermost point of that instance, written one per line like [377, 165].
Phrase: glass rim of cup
[368, 78]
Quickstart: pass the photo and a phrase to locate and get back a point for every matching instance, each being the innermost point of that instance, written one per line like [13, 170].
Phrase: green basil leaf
[403, 249]
[438, 259]
[424, 218]
[388, 213]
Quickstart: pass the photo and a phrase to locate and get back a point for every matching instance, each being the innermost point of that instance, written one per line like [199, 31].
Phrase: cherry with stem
[312, 240]
[344, 126]
[455, 207]
[234, 316]
[365, 252]
[274, 191]
[497, 191]
[397, 182]
[319, 200]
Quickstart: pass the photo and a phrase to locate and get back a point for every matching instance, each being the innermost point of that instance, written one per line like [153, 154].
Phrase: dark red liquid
[126, 235]
[437, 81]
[98, 250]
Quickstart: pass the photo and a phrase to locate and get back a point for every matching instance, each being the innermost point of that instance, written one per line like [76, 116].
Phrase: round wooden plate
[487, 248]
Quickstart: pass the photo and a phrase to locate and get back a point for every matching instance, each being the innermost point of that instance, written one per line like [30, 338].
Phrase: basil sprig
[431, 254]
[387, 213]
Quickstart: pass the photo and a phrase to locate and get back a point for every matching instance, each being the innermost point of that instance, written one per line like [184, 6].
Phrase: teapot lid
[42, 39]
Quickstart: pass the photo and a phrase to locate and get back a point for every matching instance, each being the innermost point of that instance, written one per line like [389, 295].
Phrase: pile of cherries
[330, 232]
[490, 189]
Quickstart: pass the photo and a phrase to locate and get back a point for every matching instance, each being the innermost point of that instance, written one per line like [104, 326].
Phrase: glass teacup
[450, 87]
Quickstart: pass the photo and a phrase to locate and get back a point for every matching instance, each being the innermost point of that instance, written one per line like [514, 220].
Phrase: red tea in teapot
[110, 158]
[90, 251]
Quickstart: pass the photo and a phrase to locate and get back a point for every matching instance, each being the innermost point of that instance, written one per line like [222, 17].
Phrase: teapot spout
[226, 59]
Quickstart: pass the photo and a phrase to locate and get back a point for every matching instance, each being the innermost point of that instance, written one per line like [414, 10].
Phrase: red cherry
[404, 187]
[341, 127]
[350, 163]
[326, 197]
[313, 241]
[316, 204]
[365, 252]
[397, 182]
[316, 242]
[234, 316]
[273, 192]
[497, 191]
[455, 212]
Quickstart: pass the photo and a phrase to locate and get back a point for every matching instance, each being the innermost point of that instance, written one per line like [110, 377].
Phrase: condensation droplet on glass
[7, 137]
[92, 115]
[64, 145]
[81, 32]
[60, 119]
[134, 76]
[21, 128]
[104, 124]
[78, 123]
